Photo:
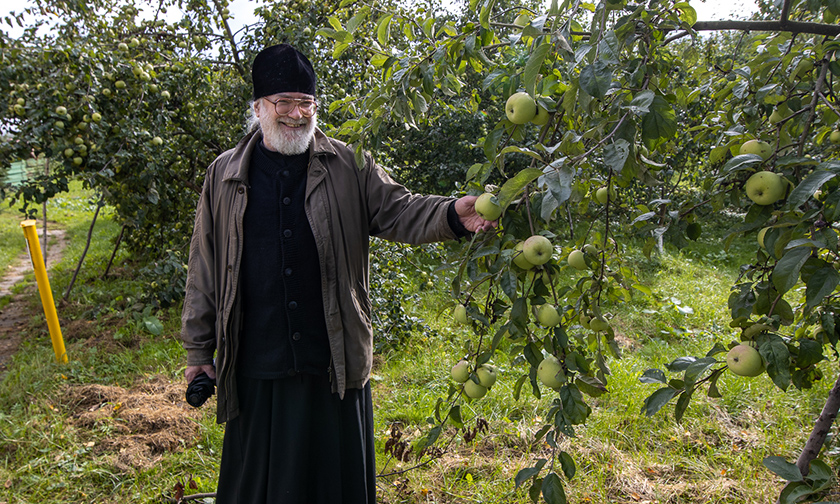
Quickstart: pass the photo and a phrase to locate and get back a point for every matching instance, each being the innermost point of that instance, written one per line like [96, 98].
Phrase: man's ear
[257, 107]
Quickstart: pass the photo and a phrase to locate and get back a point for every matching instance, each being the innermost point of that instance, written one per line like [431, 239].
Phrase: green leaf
[596, 79]
[383, 30]
[573, 406]
[794, 492]
[782, 468]
[698, 367]
[533, 67]
[682, 404]
[786, 272]
[833, 6]
[641, 102]
[455, 416]
[660, 122]
[742, 162]
[776, 355]
[687, 13]
[552, 489]
[491, 143]
[484, 14]
[515, 184]
[820, 474]
[658, 399]
[806, 188]
[559, 182]
[616, 153]
[567, 463]
[153, 325]
[821, 284]
[529, 472]
[653, 376]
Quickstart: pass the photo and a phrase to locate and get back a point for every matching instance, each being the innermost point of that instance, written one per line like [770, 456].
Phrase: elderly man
[277, 292]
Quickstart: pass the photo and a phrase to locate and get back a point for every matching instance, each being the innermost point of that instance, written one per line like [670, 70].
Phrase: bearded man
[277, 294]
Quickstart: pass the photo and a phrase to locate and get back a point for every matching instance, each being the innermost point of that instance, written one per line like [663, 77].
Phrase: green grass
[48, 454]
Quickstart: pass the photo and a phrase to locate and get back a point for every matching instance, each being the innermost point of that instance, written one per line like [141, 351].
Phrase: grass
[58, 423]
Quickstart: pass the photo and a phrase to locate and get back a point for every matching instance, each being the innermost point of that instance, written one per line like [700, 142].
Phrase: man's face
[287, 134]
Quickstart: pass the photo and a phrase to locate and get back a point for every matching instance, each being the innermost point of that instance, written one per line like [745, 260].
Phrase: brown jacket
[345, 205]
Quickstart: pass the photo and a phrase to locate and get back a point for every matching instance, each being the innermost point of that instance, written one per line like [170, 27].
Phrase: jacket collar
[240, 158]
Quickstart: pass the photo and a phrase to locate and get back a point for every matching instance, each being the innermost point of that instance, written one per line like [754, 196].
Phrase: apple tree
[615, 107]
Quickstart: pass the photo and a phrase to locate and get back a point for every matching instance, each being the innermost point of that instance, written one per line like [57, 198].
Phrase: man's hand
[193, 371]
[465, 208]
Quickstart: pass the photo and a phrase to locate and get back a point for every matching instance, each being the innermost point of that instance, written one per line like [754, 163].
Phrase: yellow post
[44, 289]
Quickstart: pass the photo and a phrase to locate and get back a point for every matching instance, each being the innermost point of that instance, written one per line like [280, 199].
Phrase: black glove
[200, 389]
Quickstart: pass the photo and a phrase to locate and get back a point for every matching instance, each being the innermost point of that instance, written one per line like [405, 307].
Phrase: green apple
[576, 260]
[122, 46]
[520, 108]
[602, 195]
[78, 161]
[519, 258]
[542, 116]
[486, 375]
[120, 84]
[460, 314]
[550, 372]
[765, 188]
[548, 315]
[165, 94]
[757, 147]
[487, 207]
[474, 390]
[744, 360]
[96, 117]
[19, 109]
[61, 110]
[598, 325]
[537, 250]
[59, 124]
[460, 372]
[68, 152]
[584, 320]
[157, 141]
[835, 137]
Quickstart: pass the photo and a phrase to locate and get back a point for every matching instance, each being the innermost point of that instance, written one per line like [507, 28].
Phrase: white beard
[288, 141]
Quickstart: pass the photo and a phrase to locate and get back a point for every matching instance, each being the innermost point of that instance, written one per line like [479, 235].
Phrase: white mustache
[292, 122]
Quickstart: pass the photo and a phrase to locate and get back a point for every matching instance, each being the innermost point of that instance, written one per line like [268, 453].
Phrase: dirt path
[14, 313]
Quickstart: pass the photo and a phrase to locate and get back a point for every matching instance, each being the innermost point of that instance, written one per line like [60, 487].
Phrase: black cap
[281, 69]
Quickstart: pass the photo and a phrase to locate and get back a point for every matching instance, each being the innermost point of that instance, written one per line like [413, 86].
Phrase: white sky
[242, 11]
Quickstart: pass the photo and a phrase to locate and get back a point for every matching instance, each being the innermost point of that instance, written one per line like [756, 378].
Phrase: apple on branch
[537, 250]
[548, 315]
[520, 108]
[765, 188]
[744, 360]
[757, 147]
[550, 372]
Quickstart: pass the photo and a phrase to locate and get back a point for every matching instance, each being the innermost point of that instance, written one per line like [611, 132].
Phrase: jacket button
[229, 268]
[296, 336]
[293, 305]
[240, 190]
[288, 272]
[287, 200]
[287, 233]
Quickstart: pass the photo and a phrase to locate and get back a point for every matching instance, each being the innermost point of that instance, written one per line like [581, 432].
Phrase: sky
[242, 11]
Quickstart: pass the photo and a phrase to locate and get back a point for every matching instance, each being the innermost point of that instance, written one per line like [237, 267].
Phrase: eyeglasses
[285, 106]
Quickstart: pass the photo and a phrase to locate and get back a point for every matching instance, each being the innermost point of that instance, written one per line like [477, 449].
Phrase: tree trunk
[84, 252]
[114, 253]
[820, 430]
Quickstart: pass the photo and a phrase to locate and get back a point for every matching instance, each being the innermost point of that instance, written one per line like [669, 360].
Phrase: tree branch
[776, 26]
